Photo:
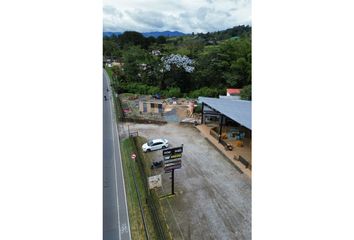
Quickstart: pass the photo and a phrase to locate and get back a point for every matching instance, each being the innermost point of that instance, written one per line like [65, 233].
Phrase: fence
[149, 196]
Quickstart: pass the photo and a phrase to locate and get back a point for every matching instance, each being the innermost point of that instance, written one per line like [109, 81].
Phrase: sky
[172, 15]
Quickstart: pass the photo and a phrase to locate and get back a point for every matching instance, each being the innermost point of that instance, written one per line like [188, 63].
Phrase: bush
[198, 108]
[153, 90]
[204, 92]
[173, 92]
[246, 92]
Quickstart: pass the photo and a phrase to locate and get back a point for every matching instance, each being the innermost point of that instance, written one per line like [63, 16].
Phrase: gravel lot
[213, 200]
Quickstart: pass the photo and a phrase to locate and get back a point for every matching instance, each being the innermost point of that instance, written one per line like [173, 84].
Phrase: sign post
[173, 182]
[172, 161]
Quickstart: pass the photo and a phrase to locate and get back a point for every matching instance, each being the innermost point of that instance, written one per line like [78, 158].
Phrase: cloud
[186, 16]
[111, 11]
[150, 19]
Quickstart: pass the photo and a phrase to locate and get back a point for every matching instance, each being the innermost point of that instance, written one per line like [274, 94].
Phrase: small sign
[155, 181]
[170, 168]
[133, 156]
[174, 161]
[178, 155]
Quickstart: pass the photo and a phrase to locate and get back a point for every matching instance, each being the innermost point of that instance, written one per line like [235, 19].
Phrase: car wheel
[163, 147]
[149, 150]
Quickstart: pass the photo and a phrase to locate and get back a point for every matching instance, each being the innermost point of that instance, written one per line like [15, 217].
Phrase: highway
[115, 210]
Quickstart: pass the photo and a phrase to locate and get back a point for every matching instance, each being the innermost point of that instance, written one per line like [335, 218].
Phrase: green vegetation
[246, 93]
[151, 203]
[145, 163]
[135, 217]
[192, 65]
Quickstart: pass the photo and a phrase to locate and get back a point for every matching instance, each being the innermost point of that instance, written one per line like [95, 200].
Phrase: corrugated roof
[237, 110]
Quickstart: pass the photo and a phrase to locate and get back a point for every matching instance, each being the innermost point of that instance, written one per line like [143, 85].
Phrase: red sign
[133, 156]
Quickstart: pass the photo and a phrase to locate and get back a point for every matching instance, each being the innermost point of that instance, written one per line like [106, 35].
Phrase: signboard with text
[172, 158]
[155, 181]
[172, 151]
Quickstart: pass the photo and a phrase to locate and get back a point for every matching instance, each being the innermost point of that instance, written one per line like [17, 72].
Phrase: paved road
[115, 210]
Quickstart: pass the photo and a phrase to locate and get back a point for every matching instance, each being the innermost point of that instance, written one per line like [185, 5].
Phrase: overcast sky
[175, 15]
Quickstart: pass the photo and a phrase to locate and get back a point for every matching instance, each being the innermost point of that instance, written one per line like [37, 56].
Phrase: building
[233, 92]
[150, 107]
[229, 123]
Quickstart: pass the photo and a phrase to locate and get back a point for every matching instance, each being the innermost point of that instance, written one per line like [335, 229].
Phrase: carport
[226, 110]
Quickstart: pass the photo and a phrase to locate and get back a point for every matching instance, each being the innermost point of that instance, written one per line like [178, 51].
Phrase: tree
[177, 71]
[133, 56]
[129, 38]
[246, 92]
[118, 74]
[161, 40]
[110, 49]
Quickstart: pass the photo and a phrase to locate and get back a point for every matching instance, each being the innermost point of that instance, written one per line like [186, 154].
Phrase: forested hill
[235, 32]
[198, 64]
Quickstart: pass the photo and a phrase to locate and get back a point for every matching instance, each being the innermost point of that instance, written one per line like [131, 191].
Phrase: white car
[155, 144]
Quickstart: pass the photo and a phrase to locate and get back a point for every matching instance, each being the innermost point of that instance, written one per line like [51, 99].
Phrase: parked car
[155, 144]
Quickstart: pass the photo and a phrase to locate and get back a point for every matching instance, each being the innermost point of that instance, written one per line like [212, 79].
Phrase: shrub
[153, 90]
[173, 92]
[205, 92]
[198, 108]
[246, 92]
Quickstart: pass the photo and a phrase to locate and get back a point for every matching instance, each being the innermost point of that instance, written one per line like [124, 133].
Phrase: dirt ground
[213, 200]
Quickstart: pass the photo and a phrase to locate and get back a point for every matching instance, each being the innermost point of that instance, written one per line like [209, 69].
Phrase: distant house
[156, 52]
[143, 66]
[233, 92]
[119, 64]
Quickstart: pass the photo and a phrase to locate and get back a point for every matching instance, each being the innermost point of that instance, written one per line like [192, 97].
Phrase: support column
[202, 122]
[220, 125]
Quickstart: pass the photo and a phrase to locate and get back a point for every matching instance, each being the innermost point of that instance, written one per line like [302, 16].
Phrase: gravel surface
[213, 200]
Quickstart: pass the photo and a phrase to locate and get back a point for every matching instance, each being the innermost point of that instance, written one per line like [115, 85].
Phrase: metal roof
[237, 110]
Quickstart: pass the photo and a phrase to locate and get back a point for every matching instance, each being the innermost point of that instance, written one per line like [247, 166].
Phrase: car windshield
[150, 143]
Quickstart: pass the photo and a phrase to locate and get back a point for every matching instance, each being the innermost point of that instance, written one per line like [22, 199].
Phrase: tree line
[191, 65]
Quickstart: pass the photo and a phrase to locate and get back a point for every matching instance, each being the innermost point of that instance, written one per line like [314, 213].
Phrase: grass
[109, 71]
[135, 217]
[161, 210]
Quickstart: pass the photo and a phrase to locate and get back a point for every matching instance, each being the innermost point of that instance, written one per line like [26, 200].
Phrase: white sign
[155, 181]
